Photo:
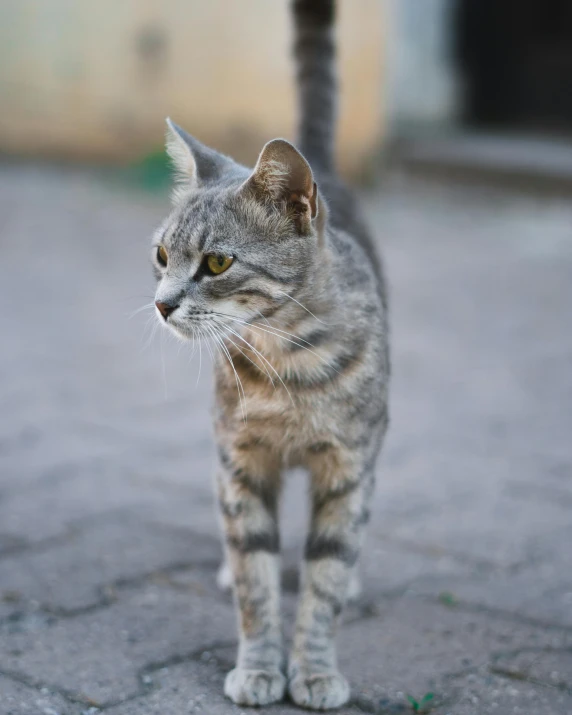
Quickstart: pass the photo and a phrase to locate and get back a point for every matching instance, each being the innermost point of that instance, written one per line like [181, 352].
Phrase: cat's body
[294, 300]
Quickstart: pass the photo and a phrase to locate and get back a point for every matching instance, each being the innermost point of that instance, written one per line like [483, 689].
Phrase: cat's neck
[296, 338]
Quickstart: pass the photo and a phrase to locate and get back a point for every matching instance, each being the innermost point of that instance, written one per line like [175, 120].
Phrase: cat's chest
[276, 415]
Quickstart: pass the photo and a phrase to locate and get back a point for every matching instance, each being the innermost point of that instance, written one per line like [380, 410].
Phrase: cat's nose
[165, 308]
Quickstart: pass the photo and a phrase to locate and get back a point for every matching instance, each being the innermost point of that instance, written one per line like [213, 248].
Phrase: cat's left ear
[282, 176]
[194, 162]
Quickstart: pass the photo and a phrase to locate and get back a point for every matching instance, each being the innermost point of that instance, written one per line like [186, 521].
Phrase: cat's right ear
[283, 177]
[195, 164]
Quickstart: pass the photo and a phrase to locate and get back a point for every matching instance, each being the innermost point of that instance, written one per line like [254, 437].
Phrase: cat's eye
[162, 256]
[218, 263]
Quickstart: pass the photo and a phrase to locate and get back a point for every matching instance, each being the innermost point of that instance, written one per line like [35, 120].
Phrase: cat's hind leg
[224, 578]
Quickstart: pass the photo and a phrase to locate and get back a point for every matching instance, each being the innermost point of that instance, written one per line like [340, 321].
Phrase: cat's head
[238, 242]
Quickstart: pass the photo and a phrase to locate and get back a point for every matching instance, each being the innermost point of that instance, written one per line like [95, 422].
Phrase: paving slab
[484, 693]
[19, 699]
[76, 494]
[99, 657]
[551, 666]
[540, 590]
[83, 570]
[413, 646]
[193, 687]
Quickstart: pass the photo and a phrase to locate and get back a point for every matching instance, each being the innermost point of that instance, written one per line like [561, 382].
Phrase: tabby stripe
[328, 598]
[269, 274]
[328, 547]
[256, 541]
[265, 491]
[312, 646]
[229, 286]
[255, 372]
[318, 663]
[265, 645]
[253, 292]
[320, 447]
[269, 312]
[224, 457]
[320, 500]
[341, 363]
[254, 662]
[231, 511]
[311, 340]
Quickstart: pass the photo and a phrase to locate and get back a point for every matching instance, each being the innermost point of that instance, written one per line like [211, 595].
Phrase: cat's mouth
[195, 327]
[190, 328]
[192, 323]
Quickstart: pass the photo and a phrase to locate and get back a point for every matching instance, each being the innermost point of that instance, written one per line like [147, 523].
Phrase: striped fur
[314, 53]
[299, 326]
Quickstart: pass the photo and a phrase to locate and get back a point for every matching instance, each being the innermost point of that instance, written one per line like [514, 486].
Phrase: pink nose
[165, 308]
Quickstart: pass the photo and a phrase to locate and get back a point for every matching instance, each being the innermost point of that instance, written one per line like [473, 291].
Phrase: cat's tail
[315, 54]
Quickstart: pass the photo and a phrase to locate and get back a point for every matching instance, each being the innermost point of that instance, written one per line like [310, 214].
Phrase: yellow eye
[217, 263]
[162, 256]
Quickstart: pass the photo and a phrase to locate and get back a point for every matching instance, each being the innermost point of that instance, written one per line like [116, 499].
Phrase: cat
[276, 267]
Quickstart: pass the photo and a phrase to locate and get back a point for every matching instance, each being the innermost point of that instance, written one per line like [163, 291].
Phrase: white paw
[354, 587]
[254, 687]
[319, 691]
[224, 579]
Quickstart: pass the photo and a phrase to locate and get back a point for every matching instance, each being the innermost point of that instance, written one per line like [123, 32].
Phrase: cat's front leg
[248, 494]
[339, 513]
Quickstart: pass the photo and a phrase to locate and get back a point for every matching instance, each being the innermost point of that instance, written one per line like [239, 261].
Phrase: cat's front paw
[319, 691]
[254, 687]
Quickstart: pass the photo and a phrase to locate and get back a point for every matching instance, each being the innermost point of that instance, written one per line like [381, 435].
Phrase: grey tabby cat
[283, 278]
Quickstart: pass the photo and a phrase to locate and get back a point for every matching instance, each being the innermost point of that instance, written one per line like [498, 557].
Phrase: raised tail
[315, 54]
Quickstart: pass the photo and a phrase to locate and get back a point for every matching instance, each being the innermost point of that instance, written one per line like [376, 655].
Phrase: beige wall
[95, 79]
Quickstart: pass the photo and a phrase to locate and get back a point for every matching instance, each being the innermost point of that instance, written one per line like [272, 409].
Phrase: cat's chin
[185, 333]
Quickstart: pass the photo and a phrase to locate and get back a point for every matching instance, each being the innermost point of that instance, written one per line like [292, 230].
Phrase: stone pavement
[108, 539]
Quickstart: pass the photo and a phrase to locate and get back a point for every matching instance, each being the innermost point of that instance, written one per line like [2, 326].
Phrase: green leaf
[448, 599]
[427, 698]
[414, 703]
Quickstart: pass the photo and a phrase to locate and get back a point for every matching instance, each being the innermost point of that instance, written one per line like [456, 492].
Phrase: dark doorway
[515, 58]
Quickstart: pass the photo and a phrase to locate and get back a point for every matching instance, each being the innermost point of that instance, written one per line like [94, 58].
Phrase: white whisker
[285, 332]
[163, 364]
[239, 386]
[304, 307]
[264, 318]
[140, 310]
[241, 351]
[151, 324]
[200, 360]
[244, 340]
[257, 326]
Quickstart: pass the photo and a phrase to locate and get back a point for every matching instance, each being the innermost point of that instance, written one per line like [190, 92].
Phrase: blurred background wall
[481, 89]
[421, 88]
[486, 63]
[94, 80]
